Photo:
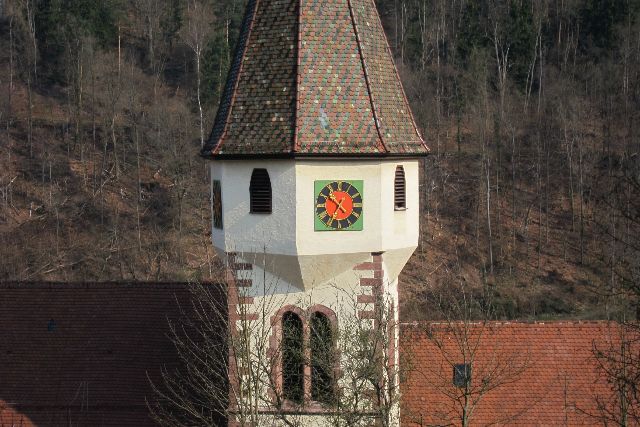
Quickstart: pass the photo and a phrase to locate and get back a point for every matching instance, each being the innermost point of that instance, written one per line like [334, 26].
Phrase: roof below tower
[313, 78]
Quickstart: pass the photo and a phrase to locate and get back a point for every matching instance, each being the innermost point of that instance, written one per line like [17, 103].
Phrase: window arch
[321, 347]
[400, 190]
[260, 192]
[292, 357]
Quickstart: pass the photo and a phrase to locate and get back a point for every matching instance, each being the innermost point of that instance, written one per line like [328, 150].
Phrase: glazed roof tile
[313, 77]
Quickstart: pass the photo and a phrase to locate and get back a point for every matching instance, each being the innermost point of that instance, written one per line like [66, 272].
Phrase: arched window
[292, 357]
[400, 190]
[260, 192]
[322, 358]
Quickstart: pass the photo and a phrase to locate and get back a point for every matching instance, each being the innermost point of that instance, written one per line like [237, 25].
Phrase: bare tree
[235, 356]
[195, 35]
[371, 365]
[618, 362]
[465, 343]
[151, 12]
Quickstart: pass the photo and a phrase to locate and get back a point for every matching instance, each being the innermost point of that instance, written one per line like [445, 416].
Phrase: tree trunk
[32, 32]
[10, 95]
[581, 189]
[114, 140]
[198, 57]
[30, 115]
[488, 197]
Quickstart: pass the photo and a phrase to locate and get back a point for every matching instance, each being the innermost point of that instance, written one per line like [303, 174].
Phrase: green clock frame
[351, 187]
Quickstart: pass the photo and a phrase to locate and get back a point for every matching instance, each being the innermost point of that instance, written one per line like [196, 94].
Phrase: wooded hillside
[531, 196]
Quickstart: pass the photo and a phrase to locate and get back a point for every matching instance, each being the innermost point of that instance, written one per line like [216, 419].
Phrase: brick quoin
[374, 266]
[367, 314]
[365, 281]
[244, 283]
[232, 274]
[366, 299]
[245, 300]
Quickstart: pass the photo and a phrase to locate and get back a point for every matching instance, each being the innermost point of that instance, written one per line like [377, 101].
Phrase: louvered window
[260, 192]
[400, 190]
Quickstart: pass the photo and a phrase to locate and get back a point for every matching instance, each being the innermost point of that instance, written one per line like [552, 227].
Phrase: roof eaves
[319, 155]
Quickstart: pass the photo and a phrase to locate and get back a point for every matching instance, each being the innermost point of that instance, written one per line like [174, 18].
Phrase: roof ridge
[508, 322]
[53, 285]
[296, 145]
[251, 20]
[395, 69]
[381, 144]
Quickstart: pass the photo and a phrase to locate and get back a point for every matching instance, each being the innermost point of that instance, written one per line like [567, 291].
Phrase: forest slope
[530, 199]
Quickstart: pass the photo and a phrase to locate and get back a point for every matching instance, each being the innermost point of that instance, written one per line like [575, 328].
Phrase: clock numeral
[320, 205]
[357, 205]
[355, 214]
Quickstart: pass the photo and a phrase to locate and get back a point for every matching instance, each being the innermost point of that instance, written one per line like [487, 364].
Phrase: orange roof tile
[543, 373]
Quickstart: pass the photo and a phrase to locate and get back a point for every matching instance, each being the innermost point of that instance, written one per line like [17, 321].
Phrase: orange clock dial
[339, 206]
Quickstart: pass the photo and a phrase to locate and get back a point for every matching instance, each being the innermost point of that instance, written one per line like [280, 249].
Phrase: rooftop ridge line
[395, 68]
[382, 147]
[418, 323]
[296, 126]
[229, 112]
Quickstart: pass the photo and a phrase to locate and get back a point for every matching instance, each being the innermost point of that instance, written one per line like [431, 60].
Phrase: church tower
[314, 166]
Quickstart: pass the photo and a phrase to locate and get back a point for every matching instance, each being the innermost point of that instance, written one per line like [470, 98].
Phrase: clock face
[338, 205]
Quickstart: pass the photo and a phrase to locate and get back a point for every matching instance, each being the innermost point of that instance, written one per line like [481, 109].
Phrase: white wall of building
[245, 232]
[285, 242]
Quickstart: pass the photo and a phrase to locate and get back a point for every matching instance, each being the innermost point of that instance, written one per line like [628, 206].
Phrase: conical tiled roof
[313, 78]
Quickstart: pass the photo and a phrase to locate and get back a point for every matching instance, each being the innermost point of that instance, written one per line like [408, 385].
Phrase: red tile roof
[313, 77]
[10, 417]
[544, 373]
[79, 354]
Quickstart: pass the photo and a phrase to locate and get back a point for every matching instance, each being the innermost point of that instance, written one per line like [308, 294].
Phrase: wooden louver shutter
[400, 189]
[260, 192]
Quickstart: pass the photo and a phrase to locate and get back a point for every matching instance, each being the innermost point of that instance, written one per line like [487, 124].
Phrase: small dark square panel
[461, 374]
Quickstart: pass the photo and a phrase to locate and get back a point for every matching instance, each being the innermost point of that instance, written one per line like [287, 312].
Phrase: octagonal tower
[314, 158]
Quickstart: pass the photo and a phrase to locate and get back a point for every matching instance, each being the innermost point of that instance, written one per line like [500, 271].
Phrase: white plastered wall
[292, 264]
[339, 295]
[285, 242]
[255, 233]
